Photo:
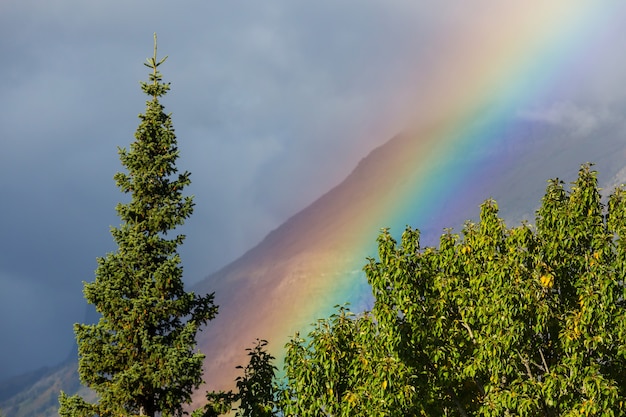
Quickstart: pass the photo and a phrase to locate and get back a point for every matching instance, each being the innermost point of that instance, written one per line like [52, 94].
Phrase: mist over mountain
[318, 254]
[313, 261]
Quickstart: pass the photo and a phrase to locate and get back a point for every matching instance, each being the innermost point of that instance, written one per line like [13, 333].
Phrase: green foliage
[256, 391]
[522, 321]
[345, 368]
[218, 403]
[140, 358]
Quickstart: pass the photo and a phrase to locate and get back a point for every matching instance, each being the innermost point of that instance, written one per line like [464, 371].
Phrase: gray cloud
[273, 102]
[579, 120]
[269, 100]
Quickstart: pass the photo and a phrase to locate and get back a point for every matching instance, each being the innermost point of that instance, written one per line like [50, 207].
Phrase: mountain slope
[267, 292]
[313, 261]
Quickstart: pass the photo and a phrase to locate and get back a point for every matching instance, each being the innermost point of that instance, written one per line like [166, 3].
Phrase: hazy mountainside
[280, 270]
[267, 292]
[313, 261]
[36, 393]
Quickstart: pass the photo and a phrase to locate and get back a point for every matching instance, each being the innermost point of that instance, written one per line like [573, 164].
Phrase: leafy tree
[218, 403]
[499, 321]
[344, 368]
[140, 358]
[256, 391]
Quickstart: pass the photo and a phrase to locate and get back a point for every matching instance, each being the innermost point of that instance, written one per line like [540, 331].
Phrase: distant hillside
[36, 393]
[313, 261]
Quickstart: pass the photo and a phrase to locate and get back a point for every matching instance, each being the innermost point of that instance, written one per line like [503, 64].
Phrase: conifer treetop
[141, 357]
[156, 88]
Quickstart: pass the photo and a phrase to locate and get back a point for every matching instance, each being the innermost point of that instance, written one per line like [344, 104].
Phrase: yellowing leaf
[547, 280]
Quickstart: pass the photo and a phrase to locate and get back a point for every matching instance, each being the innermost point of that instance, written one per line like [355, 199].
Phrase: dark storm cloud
[273, 102]
[268, 99]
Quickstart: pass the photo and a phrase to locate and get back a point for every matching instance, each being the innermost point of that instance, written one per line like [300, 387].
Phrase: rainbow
[466, 142]
[465, 134]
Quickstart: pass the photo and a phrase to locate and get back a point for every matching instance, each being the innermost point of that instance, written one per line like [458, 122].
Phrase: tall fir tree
[140, 358]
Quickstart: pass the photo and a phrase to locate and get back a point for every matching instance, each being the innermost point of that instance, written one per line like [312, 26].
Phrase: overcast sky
[274, 102]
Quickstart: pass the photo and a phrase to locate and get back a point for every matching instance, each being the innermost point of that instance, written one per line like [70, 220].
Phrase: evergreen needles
[140, 358]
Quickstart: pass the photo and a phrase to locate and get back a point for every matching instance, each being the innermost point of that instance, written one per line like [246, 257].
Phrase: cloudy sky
[273, 102]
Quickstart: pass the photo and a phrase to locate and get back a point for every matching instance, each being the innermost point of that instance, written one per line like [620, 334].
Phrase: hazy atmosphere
[273, 103]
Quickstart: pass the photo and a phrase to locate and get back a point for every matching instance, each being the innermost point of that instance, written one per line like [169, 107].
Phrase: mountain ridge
[266, 293]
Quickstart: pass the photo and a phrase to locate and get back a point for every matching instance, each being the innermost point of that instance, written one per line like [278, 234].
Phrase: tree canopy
[140, 358]
[497, 321]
